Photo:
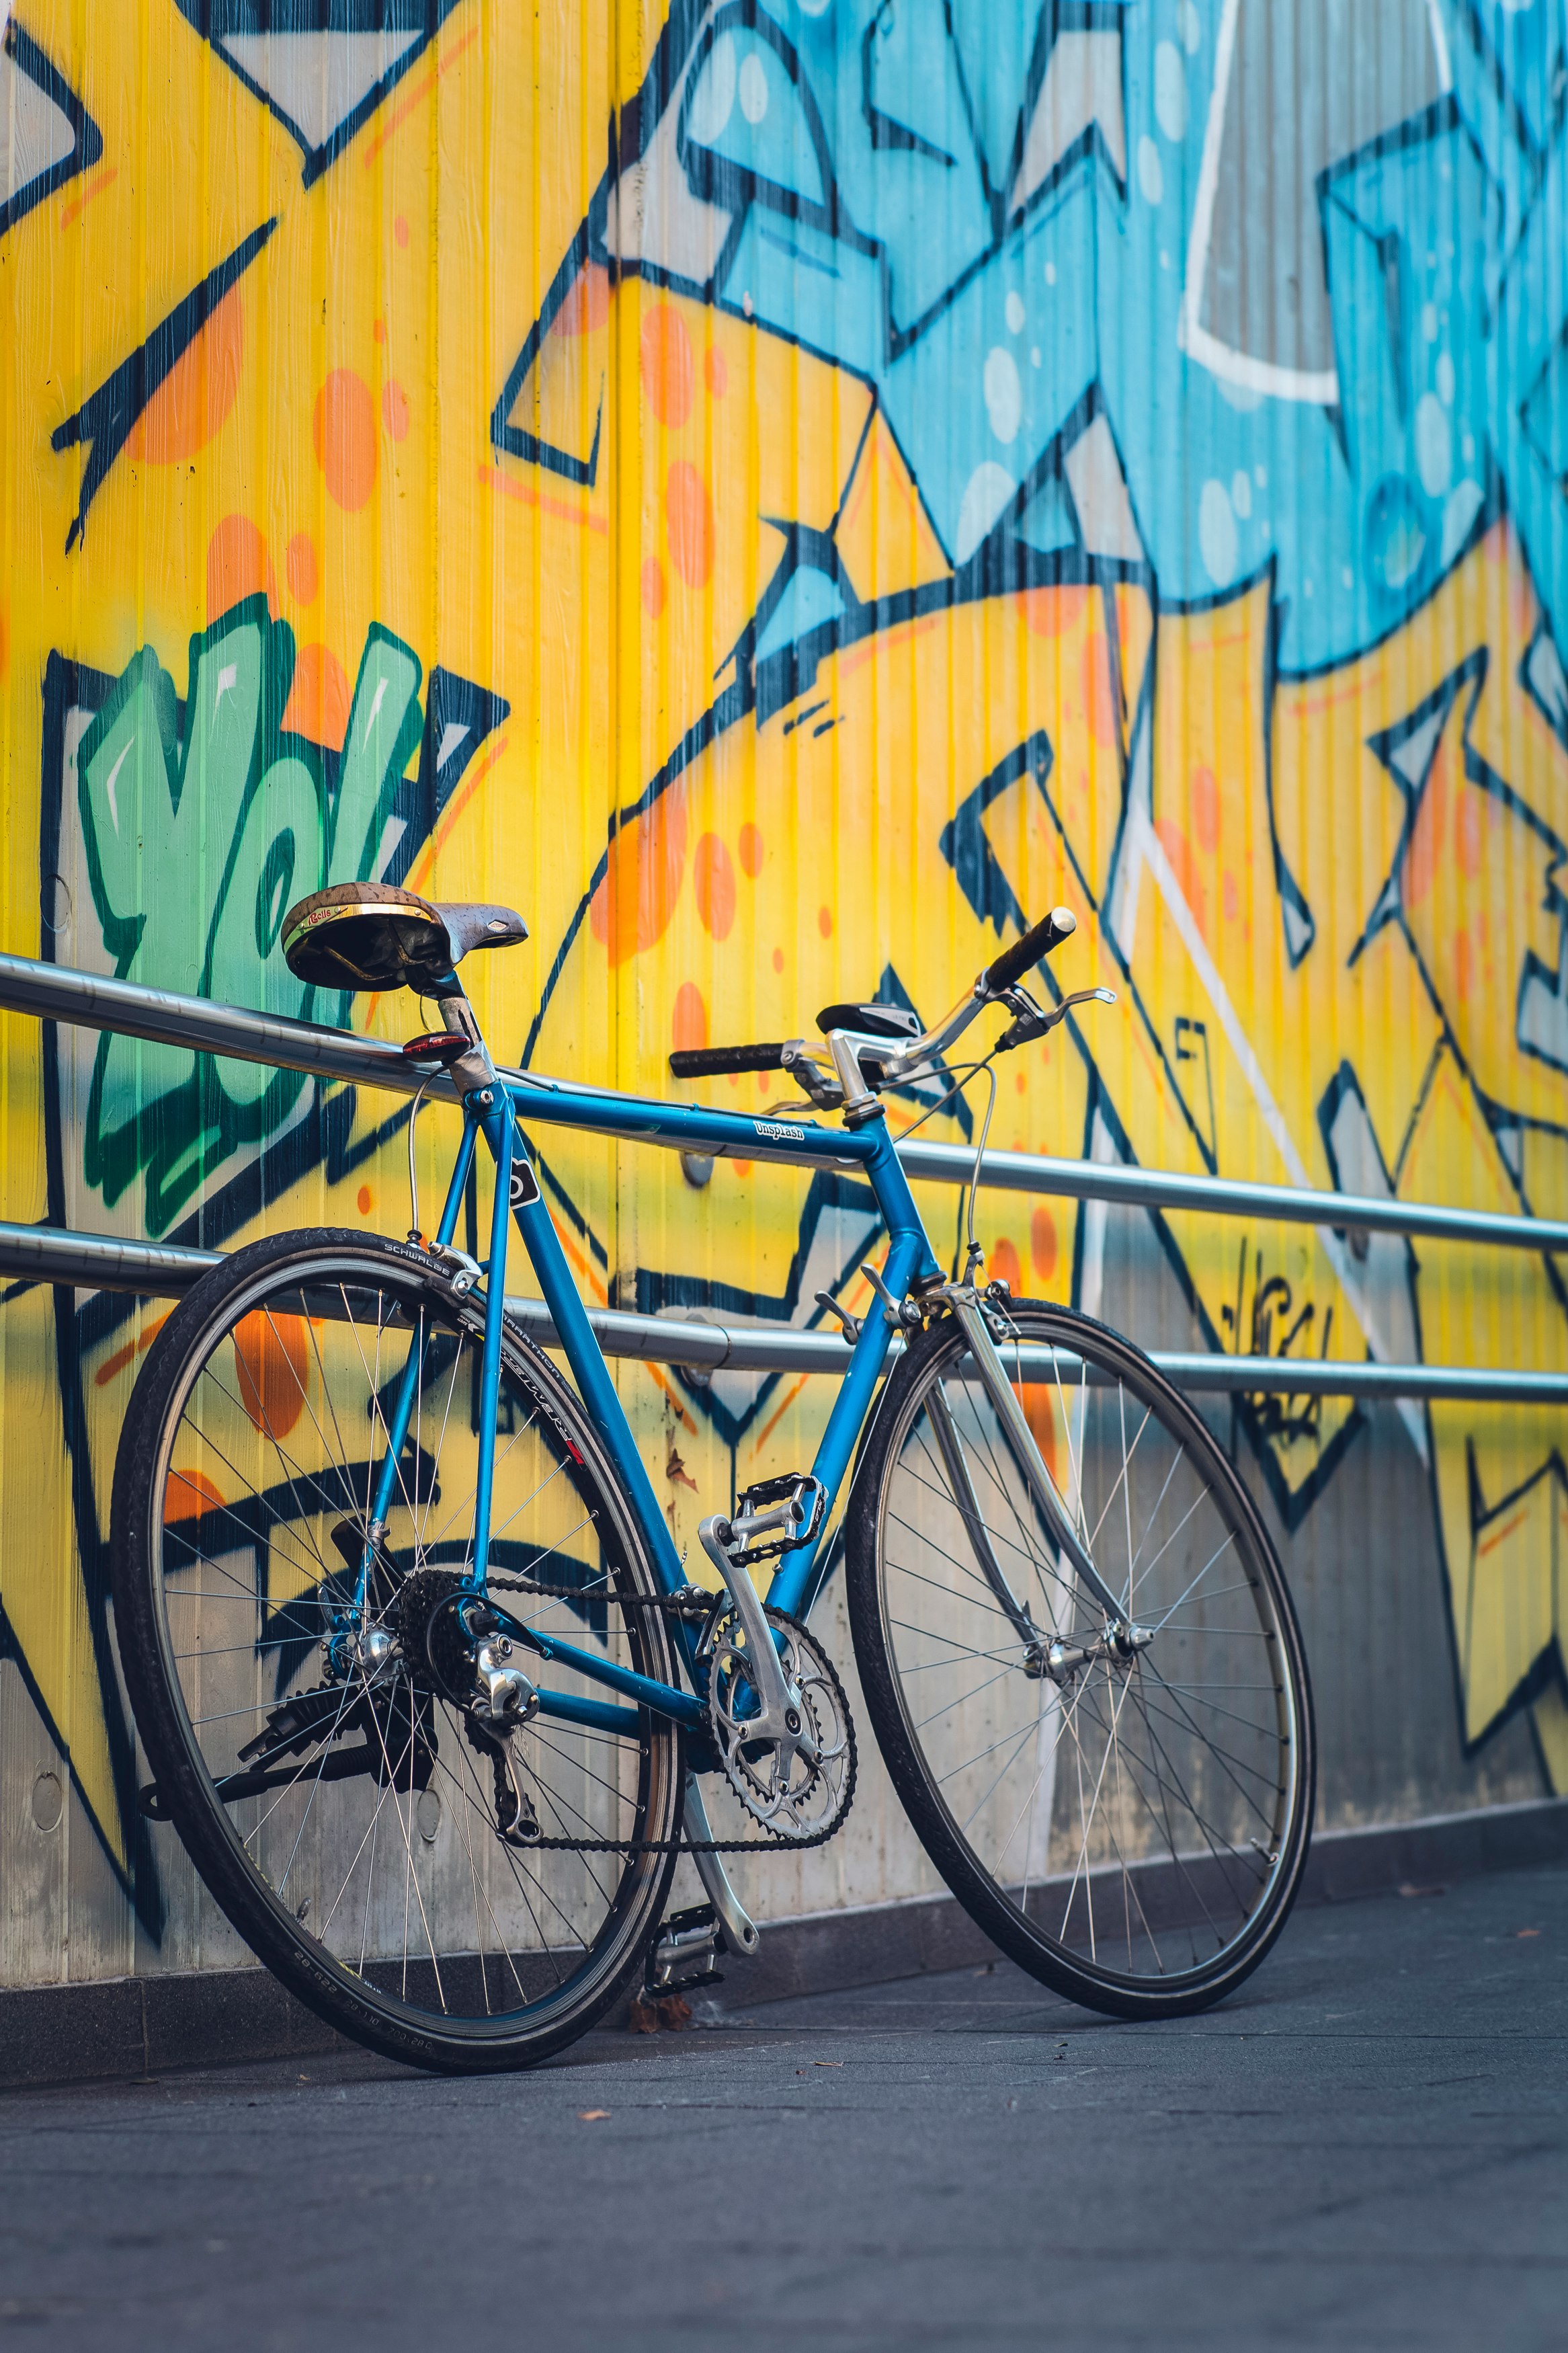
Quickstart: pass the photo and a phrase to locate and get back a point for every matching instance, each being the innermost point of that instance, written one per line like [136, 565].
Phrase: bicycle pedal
[785, 1513]
[683, 1954]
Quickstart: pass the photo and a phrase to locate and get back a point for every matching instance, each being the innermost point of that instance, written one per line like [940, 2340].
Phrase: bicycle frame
[496, 1113]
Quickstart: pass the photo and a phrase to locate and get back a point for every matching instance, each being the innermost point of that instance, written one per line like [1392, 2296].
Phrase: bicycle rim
[1128, 1820]
[372, 1871]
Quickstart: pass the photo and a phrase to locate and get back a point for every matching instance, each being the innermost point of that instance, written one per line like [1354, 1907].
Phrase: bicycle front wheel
[1123, 1805]
[451, 1900]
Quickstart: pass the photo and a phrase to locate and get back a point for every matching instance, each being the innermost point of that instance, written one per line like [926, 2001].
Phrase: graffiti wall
[782, 491]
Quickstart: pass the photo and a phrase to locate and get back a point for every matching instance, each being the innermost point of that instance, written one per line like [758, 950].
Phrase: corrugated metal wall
[778, 492]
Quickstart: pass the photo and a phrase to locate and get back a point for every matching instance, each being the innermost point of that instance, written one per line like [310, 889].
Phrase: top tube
[686, 1125]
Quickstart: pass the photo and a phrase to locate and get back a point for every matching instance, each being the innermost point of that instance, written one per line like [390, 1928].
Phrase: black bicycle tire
[985, 1902]
[344, 2001]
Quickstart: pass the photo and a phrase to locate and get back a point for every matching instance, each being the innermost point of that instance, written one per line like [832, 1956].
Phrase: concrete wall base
[127, 2027]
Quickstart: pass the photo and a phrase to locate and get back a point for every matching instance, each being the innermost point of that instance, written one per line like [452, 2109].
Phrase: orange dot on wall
[688, 1020]
[1043, 1245]
[237, 567]
[778, 959]
[1470, 833]
[1050, 612]
[344, 430]
[1179, 851]
[1003, 1261]
[273, 1355]
[1203, 800]
[653, 587]
[304, 572]
[319, 701]
[188, 1493]
[394, 409]
[748, 850]
[646, 866]
[689, 516]
[365, 1197]
[587, 303]
[664, 354]
[378, 332]
[400, 228]
[1427, 845]
[716, 369]
[1038, 1403]
[196, 396]
[713, 881]
[825, 922]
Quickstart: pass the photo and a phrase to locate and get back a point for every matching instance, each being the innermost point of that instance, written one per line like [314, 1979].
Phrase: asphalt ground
[1366, 2147]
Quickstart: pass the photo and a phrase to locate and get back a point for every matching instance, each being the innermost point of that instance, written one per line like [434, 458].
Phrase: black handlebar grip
[725, 1062]
[1015, 962]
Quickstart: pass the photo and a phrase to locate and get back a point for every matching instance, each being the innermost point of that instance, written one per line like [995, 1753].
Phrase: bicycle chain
[773, 1842]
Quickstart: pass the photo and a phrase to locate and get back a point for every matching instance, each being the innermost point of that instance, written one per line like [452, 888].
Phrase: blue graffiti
[1198, 288]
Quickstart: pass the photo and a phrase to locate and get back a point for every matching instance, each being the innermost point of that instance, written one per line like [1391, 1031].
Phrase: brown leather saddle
[374, 936]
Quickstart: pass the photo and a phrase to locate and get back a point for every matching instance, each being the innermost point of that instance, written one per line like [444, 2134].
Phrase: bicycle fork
[1044, 1656]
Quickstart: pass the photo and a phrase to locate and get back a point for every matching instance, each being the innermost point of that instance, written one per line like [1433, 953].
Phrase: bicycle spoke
[376, 1834]
[1153, 1747]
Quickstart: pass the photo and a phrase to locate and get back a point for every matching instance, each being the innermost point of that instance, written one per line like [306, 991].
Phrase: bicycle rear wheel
[346, 1815]
[1128, 1819]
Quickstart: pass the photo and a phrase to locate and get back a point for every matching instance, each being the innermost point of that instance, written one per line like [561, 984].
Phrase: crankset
[792, 1771]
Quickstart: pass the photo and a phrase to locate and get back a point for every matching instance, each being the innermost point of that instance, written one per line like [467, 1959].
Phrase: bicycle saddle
[373, 936]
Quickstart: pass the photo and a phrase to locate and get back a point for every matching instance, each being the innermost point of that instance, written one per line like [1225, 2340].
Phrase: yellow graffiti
[1319, 899]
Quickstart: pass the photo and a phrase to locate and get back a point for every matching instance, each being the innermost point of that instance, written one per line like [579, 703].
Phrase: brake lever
[1029, 1021]
[811, 1078]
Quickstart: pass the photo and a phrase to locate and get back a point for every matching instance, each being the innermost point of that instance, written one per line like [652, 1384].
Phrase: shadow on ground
[1366, 2148]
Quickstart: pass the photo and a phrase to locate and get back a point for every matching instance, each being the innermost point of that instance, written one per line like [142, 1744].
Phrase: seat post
[472, 1071]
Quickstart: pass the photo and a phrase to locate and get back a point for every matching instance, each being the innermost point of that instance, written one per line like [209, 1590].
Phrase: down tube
[910, 1255]
[594, 1386]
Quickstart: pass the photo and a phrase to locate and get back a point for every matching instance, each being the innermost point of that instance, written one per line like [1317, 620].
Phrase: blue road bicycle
[426, 1690]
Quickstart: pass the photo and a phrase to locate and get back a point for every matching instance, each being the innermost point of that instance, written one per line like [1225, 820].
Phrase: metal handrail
[705, 1344]
[96, 1001]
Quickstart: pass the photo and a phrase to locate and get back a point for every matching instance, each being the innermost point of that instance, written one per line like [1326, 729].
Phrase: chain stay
[677, 1605]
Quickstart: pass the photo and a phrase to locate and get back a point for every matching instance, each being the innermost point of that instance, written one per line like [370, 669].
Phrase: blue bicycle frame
[496, 1113]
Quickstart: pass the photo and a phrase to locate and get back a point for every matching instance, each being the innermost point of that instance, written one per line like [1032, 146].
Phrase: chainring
[779, 1787]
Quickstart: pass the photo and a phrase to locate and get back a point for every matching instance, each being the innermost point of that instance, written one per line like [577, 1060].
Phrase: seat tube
[499, 1122]
[402, 1406]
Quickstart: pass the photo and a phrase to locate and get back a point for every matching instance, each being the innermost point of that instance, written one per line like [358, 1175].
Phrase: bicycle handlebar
[1015, 962]
[729, 1062]
[725, 1062]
